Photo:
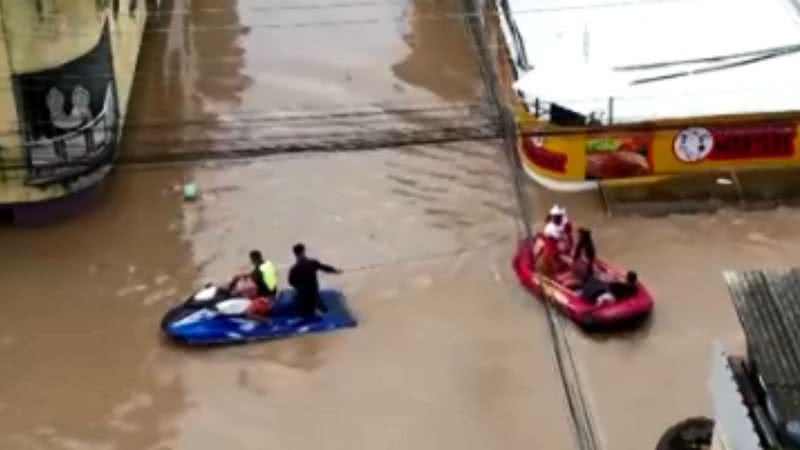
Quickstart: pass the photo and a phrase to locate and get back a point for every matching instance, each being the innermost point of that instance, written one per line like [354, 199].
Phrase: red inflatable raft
[564, 291]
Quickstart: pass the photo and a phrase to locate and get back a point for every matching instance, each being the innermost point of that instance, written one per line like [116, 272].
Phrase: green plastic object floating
[190, 191]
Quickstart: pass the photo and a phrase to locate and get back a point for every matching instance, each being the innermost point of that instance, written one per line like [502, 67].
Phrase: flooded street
[449, 352]
[245, 73]
[641, 383]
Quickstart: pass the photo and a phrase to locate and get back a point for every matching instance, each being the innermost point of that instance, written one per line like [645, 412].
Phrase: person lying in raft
[601, 293]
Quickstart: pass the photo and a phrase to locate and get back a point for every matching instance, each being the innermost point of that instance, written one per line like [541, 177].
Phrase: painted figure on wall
[70, 115]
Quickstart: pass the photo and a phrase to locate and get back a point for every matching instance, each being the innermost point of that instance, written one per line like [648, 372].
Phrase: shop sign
[695, 144]
[539, 155]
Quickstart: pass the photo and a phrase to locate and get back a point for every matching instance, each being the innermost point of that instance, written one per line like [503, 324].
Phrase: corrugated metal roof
[768, 306]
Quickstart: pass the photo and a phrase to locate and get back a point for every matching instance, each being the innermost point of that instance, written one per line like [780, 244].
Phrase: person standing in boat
[303, 278]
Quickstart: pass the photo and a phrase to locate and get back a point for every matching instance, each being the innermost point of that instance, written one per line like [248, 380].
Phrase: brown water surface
[450, 353]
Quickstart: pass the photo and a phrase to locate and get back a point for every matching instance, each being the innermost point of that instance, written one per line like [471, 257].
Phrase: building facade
[66, 70]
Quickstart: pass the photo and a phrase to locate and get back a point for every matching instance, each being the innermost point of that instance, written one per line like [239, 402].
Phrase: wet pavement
[450, 353]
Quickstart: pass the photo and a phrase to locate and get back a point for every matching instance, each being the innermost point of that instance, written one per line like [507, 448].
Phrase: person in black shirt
[303, 278]
[584, 256]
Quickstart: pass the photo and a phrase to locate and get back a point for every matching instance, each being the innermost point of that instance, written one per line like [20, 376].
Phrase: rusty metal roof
[768, 305]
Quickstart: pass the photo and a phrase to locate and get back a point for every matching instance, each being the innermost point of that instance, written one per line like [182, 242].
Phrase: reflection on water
[658, 375]
[462, 379]
[442, 59]
[450, 353]
[187, 73]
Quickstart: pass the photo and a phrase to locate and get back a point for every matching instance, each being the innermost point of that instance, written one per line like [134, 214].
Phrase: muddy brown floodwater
[641, 383]
[450, 353]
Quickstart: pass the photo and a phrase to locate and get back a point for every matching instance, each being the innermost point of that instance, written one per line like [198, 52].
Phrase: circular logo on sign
[693, 144]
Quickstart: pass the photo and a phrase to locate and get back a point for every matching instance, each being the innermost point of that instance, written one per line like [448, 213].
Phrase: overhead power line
[444, 16]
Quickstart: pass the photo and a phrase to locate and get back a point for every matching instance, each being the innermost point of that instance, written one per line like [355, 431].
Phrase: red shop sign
[735, 142]
[535, 150]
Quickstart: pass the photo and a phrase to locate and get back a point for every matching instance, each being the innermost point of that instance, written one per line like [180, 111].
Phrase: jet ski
[211, 316]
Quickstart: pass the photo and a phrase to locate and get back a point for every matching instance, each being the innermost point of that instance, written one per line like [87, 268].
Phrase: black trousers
[309, 303]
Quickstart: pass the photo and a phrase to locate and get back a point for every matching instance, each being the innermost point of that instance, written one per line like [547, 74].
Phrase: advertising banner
[582, 156]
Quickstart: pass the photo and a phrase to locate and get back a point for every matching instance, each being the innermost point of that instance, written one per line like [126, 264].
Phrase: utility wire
[299, 114]
[252, 151]
[361, 121]
[354, 22]
[365, 4]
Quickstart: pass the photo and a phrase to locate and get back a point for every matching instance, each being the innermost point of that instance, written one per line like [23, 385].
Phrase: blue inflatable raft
[200, 323]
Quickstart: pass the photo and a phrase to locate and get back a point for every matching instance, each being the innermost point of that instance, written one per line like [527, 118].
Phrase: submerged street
[449, 353]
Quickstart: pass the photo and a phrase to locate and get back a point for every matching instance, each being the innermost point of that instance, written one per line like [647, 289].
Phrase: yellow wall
[65, 30]
[661, 158]
[126, 40]
[9, 138]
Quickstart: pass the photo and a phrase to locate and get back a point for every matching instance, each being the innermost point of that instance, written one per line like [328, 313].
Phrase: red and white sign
[695, 144]
[546, 159]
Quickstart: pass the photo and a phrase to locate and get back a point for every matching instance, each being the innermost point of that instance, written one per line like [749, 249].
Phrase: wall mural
[70, 116]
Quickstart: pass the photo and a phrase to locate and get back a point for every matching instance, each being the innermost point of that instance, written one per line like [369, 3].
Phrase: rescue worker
[559, 228]
[546, 257]
[303, 278]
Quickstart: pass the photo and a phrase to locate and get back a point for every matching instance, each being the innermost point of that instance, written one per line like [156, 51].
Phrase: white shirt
[554, 231]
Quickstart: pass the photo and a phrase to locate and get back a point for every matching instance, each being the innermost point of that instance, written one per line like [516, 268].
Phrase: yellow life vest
[270, 275]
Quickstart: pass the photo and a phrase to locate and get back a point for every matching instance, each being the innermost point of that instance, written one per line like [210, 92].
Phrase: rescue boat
[200, 321]
[563, 291]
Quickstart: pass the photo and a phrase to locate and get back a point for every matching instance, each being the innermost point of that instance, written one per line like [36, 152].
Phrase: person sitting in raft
[559, 227]
[584, 256]
[546, 257]
[625, 289]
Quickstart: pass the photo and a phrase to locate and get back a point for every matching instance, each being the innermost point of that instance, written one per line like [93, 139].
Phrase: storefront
[593, 104]
[663, 151]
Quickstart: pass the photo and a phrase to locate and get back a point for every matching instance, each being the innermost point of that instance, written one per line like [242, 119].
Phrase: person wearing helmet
[558, 227]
